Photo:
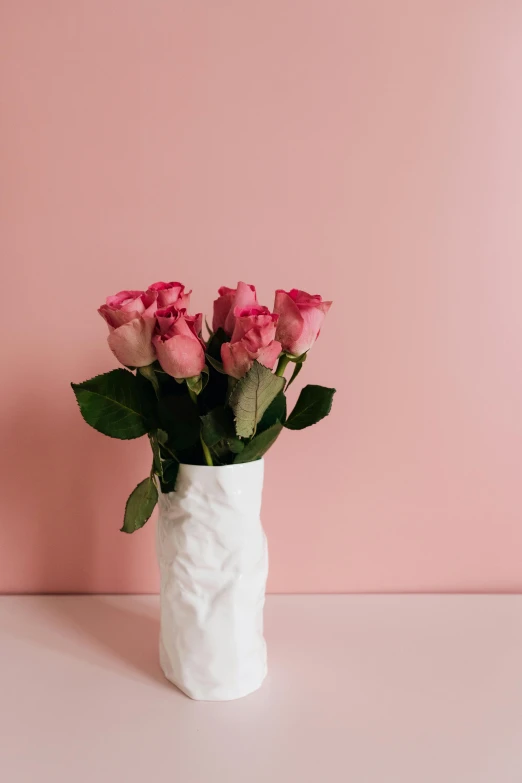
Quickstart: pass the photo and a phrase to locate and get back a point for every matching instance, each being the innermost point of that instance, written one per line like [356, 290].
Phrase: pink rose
[130, 317]
[177, 342]
[229, 299]
[170, 293]
[300, 319]
[253, 338]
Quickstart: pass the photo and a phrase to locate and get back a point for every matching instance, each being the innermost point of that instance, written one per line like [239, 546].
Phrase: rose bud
[300, 319]
[253, 339]
[177, 342]
[229, 299]
[130, 318]
[170, 293]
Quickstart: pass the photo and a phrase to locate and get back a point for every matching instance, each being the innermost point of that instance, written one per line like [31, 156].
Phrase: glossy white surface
[213, 560]
[360, 689]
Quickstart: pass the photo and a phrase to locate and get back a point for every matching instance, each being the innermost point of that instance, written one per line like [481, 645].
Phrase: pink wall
[369, 151]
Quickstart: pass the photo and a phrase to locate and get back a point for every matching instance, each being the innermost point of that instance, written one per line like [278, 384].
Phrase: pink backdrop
[369, 151]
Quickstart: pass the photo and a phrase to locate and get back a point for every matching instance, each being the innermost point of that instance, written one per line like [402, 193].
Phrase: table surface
[369, 689]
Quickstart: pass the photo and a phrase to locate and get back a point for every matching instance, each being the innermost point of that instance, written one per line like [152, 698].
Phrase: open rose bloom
[214, 400]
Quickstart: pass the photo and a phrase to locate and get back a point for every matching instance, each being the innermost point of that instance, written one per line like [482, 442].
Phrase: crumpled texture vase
[213, 561]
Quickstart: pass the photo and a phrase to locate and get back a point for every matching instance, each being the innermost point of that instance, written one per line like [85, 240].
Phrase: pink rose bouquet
[213, 401]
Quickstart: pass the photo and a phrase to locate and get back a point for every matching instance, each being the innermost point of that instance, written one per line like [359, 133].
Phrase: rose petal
[131, 343]
[179, 355]
[290, 324]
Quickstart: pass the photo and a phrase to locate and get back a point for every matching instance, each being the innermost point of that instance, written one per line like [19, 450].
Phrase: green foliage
[148, 396]
[195, 384]
[162, 437]
[114, 404]
[180, 419]
[313, 404]
[236, 445]
[170, 474]
[216, 341]
[251, 397]
[218, 432]
[260, 444]
[193, 455]
[217, 365]
[140, 506]
[276, 411]
[216, 426]
[209, 329]
[149, 373]
[156, 454]
[205, 377]
[167, 384]
[297, 370]
[214, 394]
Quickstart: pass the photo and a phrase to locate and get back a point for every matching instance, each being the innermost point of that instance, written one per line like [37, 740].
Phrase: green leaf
[297, 370]
[314, 403]
[218, 432]
[170, 474]
[217, 365]
[140, 506]
[209, 330]
[216, 341]
[236, 445]
[231, 385]
[276, 411]
[251, 397]
[218, 425]
[192, 455]
[156, 455]
[195, 384]
[162, 436]
[215, 392]
[179, 418]
[167, 384]
[148, 400]
[113, 404]
[260, 444]
[149, 373]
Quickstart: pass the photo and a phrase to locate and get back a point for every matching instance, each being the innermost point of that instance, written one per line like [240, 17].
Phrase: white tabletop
[362, 689]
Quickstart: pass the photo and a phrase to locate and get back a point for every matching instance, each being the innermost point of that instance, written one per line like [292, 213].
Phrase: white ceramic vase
[213, 561]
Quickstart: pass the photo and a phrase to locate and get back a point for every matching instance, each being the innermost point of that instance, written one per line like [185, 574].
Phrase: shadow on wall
[63, 495]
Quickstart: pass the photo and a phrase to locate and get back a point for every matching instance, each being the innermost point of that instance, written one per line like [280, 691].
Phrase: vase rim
[234, 465]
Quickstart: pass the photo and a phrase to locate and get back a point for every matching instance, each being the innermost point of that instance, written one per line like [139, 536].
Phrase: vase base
[218, 693]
